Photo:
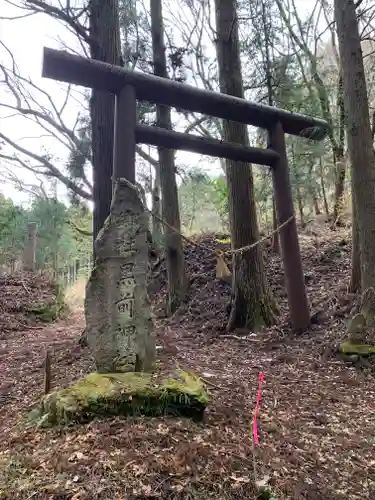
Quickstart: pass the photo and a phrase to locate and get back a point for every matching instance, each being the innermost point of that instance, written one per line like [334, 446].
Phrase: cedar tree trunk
[170, 208]
[358, 135]
[355, 275]
[252, 304]
[105, 32]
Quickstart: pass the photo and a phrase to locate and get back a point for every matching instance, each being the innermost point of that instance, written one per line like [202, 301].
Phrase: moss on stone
[123, 394]
[356, 349]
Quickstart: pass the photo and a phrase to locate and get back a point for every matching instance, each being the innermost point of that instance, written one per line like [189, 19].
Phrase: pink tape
[259, 393]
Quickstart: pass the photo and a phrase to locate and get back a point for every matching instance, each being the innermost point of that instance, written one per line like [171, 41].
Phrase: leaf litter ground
[316, 422]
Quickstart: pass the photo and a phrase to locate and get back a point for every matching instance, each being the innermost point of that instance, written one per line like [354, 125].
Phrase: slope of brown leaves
[316, 420]
[19, 294]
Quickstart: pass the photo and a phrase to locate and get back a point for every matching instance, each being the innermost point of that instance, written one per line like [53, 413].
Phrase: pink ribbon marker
[255, 426]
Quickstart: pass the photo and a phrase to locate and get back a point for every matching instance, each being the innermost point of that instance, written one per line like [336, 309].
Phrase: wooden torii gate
[128, 86]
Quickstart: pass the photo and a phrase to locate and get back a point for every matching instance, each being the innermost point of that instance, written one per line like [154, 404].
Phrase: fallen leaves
[316, 422]
[20, 293]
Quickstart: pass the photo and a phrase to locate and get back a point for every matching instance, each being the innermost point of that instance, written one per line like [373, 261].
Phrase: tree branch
[51, 170]
[146, 156]
[64, 16]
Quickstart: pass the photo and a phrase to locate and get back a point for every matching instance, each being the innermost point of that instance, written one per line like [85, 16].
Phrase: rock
[119, 324]
[271, 427]
[357, 324]
[357, 329]
[123, 394]
[353, 358]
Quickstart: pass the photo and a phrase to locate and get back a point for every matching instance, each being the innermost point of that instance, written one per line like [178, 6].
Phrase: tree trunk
[252, 303]
[275, 237]
[55, 264]
[340, 163]
[298, 188]
[268, 46]
[323, 186]
[312, 188]
[316, 205]
[355, 274]
[105, 32]
[193, 211]
[170, 209]
[338, 153]
[157, 226]
[358, 135]
[300, 206]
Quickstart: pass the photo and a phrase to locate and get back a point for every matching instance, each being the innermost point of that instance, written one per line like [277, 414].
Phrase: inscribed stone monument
[117, 308]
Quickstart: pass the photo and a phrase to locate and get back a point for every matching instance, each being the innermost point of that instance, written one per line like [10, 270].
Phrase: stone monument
[119, 325]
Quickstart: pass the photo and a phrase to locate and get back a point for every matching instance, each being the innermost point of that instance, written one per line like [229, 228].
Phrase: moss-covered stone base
[357, 349]
[123, 394]
[360, 355]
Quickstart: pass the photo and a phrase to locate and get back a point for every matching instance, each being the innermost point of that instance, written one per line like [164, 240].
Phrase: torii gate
[128, 86]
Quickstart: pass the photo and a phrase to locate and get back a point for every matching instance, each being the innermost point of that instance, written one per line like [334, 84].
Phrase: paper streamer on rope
[255, 426]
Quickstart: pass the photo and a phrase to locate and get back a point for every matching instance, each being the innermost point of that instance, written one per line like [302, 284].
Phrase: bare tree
[34, 106]
[305, 37]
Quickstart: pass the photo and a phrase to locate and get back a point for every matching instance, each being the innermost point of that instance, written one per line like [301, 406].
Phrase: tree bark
[266, 27]
[316, 205]
[157, 227]
[252, 303]
[170, 208]
[340, 164]
[298, 188]
[355, 274]
[300, 206]
[275, 236]
[358, 135]
[339, 155]
[323, 186]
[105, 46]
[312, 189]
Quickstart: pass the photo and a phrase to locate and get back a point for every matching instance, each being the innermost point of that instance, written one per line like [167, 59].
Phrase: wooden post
[124, 135]
[47, 372]
[294, 277]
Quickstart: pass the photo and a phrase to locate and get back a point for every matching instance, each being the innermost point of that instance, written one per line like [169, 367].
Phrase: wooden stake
[47, 372]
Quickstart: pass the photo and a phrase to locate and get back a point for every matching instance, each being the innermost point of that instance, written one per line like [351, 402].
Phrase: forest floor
[317, 432]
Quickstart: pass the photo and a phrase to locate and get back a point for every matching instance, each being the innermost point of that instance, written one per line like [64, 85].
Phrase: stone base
[123, 394]
[358, 349]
